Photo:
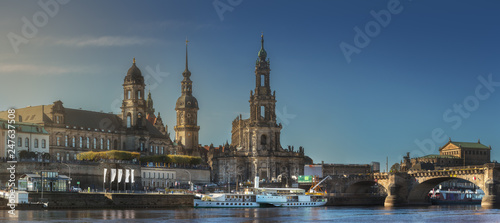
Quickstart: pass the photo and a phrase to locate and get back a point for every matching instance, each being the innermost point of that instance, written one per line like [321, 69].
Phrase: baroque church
[136, 129]
[255, 148]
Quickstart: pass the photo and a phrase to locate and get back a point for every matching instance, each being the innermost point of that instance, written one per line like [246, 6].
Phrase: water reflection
[343, 214]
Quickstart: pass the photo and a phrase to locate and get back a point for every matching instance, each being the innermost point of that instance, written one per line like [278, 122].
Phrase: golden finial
[186, 41]
[262, 34]
[134, 59]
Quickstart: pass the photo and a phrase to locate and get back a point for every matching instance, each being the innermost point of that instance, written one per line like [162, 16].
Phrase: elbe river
[466, 213]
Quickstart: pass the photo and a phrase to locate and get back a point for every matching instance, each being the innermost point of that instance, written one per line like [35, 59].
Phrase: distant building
[255, 148]
[450, 155]
[30, 137]
[313, 170]
[157, 177]
[44, 180]
[345, 169]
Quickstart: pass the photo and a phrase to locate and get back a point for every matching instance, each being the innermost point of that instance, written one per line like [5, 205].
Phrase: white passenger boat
[226, 200]
[262, 197]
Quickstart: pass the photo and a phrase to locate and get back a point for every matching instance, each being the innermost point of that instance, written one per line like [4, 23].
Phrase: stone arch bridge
[412, 188]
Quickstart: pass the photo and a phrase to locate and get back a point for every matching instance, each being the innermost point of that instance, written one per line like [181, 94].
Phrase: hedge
[112, 154]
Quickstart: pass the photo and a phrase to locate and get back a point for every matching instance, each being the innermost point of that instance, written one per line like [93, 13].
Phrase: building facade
[30, 137]
[153, 178]
[72, 131]
[450, 155]
[255, 148]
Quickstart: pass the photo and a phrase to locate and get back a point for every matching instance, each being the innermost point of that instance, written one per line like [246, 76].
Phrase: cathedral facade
[255, 148]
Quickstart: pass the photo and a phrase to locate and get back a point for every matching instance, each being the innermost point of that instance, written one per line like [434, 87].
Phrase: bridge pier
[490, 198]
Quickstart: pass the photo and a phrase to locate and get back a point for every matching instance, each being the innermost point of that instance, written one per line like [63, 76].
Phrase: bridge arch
[419, 191]
[365, 187]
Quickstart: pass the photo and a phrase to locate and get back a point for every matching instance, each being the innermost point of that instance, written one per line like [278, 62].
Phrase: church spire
[262, 52]
[186, 72]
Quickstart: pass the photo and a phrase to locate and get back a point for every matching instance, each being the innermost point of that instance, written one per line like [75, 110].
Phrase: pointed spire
[262, 52]
[186, 71]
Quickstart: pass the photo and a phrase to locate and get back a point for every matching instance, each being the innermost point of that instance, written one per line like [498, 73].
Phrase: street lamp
[69, 170]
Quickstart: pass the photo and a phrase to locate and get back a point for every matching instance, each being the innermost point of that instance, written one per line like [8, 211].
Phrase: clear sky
[352, 86]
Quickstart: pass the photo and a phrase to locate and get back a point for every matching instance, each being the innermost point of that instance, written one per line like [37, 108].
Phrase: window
[20, 142]
[74, 156]
[162, 149]
[66, 141]
[128, 94]
[95, 143]
[102, 144]
[262, 111]
[108, 144]
[20, 118]
[156, 151]
[44, 143]
[67, 156]
[142, 146]
[27, 142]
[139, 119]
[139, 95]
[262, 80]
[87, 145]
[81, 142]
[36, 143]
[73, 142]
[129, 121]
[58, 157]
[115, 144]
[263, 140]
[151, 148]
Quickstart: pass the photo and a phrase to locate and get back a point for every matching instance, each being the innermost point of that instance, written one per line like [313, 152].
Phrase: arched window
[156, 151]
[27, 142]
[139, 95]
[58, 156]
[102, 144]
[73, 142]
[128, 94]
[36, 143]
[44, 143]
[262, 80]
[115, 144]
[263, 140]
[58, 141]
[81, 142]
[87, 145]
[108, 144]
[95, 143]
[162, 150]
[20, 142]
[129, 120]
[142, 146]
[67, 156]
[262, 111]
[66, 141]
[151, 148]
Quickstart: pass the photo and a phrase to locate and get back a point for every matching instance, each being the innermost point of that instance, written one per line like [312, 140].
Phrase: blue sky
[396, 92]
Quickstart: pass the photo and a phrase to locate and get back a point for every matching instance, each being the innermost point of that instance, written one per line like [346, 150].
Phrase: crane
[312, 190]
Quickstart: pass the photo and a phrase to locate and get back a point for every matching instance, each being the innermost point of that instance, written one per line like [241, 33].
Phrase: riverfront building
[31, 138]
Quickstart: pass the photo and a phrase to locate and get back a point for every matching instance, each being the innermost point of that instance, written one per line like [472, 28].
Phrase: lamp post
[69, 170]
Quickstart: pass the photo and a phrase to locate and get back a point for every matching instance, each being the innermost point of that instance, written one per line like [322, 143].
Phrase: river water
[454, 214]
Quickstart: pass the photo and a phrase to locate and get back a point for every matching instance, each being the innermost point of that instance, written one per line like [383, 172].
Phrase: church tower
[263, 106]
[134, 105]
[186, 130]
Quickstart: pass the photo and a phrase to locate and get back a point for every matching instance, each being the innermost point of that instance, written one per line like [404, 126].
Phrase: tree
[395, 168]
